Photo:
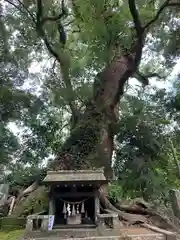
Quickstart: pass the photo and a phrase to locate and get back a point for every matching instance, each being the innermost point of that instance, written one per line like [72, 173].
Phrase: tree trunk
[175, 201]
[91, 142]
[176, 162]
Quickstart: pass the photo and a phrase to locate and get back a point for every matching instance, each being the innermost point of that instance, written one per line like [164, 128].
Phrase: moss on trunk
[77, 151]
[37, 201]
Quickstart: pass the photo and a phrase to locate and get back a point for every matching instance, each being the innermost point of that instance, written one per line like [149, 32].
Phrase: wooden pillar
[96, 206]
[51, 203]
[51, 206]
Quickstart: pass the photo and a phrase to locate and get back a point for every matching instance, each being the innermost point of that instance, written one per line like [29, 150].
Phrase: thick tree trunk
[91, 142]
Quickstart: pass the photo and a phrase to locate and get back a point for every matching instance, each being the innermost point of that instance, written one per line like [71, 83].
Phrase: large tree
[147, 145]
[96, 46]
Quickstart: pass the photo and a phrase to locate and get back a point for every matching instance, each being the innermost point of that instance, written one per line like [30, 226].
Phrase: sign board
[50, 222]
[4, 190]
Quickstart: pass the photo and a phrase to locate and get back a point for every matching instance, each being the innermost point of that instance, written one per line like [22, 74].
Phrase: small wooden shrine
[73, 196]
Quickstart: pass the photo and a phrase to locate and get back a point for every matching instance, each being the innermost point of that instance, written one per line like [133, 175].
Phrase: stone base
[44, 224]
[33, 218]
[92, 234]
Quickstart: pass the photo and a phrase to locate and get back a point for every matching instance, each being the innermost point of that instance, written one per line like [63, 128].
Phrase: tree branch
[136, 19]
[14, 5]
[40, 30]
[137, 48]
[58, 17]
[39, 26]
[149, 75]
[61, 59]
[76, 11]
[27, 10]
[161, 9]
[67, 24]
[145, 78]
[21, 9]
[52, 18]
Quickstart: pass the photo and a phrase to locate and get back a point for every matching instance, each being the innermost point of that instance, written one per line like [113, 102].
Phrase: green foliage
[24, 176]
[12, 223]
[144, 163]
[176, 100]
[115, 191]
[83, 139]
[11, 235]
[8, 144]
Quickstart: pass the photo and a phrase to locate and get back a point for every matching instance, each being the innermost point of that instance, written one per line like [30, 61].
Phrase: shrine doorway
[81, 208]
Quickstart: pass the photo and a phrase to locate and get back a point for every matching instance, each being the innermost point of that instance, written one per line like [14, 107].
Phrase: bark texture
[91, 141]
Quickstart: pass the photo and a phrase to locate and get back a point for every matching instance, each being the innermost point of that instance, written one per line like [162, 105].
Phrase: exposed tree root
[131, 218]
[132, 208]
[138, 212]
[151, 215]
[162, 222]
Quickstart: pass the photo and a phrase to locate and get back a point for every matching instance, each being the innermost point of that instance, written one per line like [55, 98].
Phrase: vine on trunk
[82, 142]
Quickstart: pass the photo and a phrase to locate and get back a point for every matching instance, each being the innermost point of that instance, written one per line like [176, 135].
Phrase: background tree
[146, 146]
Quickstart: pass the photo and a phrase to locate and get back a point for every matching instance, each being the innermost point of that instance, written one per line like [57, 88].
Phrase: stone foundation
[130, 233]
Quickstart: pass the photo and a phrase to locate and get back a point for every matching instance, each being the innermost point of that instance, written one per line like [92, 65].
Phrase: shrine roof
[96, 175]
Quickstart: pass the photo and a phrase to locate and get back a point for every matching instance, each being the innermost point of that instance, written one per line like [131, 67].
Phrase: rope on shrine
[73, 212]
[79, 202]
